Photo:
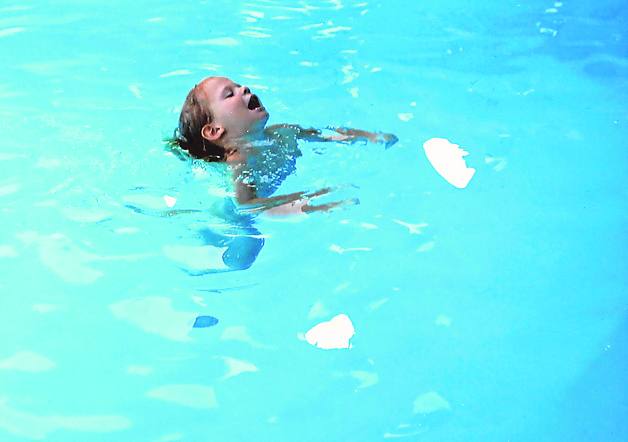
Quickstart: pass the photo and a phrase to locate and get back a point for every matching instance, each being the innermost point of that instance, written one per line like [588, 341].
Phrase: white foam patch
[340, 250]
[15, 8]
[10, 31]
[44, 308]
[139, 370]
[27, 361]
[429, 403]
[552, 32]
[350, 74]
[31, 426]
[305, 28]
[256, 14]
[401, 435]
[448, 160]
[126, 230]
[198, 300]
[170, 200]
[331, 32]
[375, 305]
[498, 163]
[255, 34]
[318, 310]
[442, 320]
[7, 252]
[342, 287]
[171, 437]
[368, 226]
[197, 258]
[333, 334]
[405, 116]
[63, 257]
[187, 395]
[61, 186]
[9, 189]
[46, 203]
[176, 73]
[83, 215]
[146, 201]
[413, 229]
[135, 90]
[366, 378]
[211, 67]
[426, 247]
[155, 315]
[4, 156]
[241, 334]
[236, 367]
[48, 163]
[223, 41]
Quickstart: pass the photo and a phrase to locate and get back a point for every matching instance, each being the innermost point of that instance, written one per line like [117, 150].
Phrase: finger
[391, 139]
[329, 206]
[320, 192]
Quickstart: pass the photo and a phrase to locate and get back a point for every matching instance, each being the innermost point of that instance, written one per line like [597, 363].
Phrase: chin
[263, 118]
[258, 124]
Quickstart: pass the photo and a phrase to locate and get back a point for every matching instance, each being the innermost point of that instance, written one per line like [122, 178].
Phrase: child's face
[233, 107]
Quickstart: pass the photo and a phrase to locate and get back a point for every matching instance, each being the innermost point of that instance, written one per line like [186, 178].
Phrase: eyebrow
[228, 86]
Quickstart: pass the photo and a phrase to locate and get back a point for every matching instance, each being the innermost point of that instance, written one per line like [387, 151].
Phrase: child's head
[216, 114]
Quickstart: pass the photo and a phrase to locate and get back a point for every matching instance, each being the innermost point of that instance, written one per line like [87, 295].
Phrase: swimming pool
[493, 312]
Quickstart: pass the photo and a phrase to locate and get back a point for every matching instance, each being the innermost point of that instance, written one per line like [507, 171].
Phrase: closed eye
[227, 92]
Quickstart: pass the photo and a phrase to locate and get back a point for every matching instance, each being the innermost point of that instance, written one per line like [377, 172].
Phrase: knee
[242, 252]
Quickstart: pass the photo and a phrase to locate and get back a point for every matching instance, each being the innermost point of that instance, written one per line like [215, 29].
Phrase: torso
[273, 159]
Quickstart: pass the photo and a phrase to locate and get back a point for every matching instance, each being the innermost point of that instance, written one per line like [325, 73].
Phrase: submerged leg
[243, 244]
[242, 251]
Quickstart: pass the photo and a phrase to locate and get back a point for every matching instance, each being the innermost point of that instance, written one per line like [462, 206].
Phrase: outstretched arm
[337, 134]
[280, 205]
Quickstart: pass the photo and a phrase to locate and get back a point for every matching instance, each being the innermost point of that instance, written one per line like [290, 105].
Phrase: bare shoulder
[283, 135]
[283, 130]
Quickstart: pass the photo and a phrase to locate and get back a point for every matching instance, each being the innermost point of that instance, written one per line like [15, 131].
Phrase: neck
[238, 148]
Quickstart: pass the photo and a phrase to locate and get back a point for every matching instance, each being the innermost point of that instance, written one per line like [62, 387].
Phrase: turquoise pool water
[496, 312]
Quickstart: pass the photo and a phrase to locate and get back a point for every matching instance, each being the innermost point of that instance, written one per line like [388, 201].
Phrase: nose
[245, 90]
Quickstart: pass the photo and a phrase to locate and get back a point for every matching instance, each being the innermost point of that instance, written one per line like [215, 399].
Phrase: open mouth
[254, 103]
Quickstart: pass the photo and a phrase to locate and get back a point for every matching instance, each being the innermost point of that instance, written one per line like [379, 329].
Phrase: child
[222, 121]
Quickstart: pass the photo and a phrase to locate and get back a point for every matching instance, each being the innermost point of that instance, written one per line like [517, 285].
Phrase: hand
[347, 134]
[329, 206]
[303, 204]
[387, 139]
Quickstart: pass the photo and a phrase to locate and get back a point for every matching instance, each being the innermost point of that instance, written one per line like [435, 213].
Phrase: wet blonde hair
[195, 114]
